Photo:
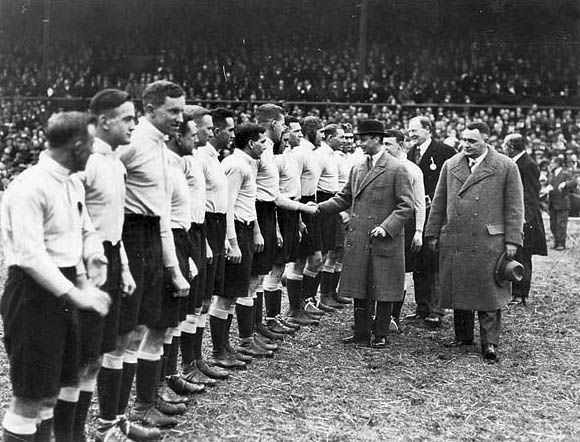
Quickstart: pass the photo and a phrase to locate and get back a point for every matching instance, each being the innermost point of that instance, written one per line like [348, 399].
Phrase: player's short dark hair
[290, 119]
[482, 127]
[155, 93]
[396, 134]
[220, 115]
[246, 132]
[268, 112]
[64, 127]
[108, 100]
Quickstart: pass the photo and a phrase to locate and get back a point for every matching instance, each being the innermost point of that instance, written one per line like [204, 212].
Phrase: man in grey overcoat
[476, 215]
[379, 196]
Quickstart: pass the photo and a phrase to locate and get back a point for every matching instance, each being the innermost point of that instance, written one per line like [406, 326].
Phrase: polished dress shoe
[517, 301]
[149, 415]
[211, 372]
[357, 340]
[341, 299]
[458, 343]
[433, 321]
[379, 342]
[489, 352]
[137, 432]
[254, 350]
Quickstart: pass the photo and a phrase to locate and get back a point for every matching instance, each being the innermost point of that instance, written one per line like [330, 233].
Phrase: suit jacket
[431, 163]
[374, 268]
[534, 233]
[560, 199]
[474, 215]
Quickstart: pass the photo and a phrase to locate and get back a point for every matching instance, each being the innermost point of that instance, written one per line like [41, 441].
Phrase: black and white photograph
[289, 220]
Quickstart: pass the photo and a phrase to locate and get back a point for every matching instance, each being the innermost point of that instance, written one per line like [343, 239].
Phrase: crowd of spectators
[548, 132]
[302, 70]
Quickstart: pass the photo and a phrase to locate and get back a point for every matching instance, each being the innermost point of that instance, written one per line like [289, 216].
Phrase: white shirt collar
[58, 170]
[101, 146]
[518, 156]
[209, 149]
[423, 147]
[147, 127]
[480, 158]
[377, 156]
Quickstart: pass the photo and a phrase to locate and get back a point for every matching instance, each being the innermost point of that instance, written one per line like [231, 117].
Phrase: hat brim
[498, 273]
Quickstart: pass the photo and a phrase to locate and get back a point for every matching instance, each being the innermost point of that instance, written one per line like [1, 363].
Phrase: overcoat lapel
[481, 172]
[371, 175]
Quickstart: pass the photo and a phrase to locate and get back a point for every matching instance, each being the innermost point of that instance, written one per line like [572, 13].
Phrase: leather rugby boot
[254, 350]
[194, 376]
[277, 327]
[239, 356]
[137, 432]
[301, 318]
[329, 301]
[341, 299]
[265, 343]
[170, 396]
[182, 387]
[152, 417]
[113, 434]
[312, 310]
[211, 372]
[288, 324]
[170, 409]
[227, 361]
[265, 331]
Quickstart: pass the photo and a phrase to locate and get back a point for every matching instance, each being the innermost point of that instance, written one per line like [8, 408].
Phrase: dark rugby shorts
[142, 241]
[197, 239]
[99, 335]
[266, 213]
[41, 336]
[173, 309]
[237, 276]
[311, 239]
[215, 224]
[328, 224]
[289, 228]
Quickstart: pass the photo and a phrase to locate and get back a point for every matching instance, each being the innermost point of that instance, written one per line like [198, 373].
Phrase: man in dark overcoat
[429, 155]
[560, 185]
[534, 234]
[476, 215]
[379, 196]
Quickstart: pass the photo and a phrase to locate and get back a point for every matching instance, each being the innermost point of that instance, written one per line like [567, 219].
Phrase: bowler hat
[370, 127]
[507, 270]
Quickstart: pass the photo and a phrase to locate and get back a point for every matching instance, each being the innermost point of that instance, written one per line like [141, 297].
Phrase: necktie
[417, 155]
[369, 162]
[471, 164]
